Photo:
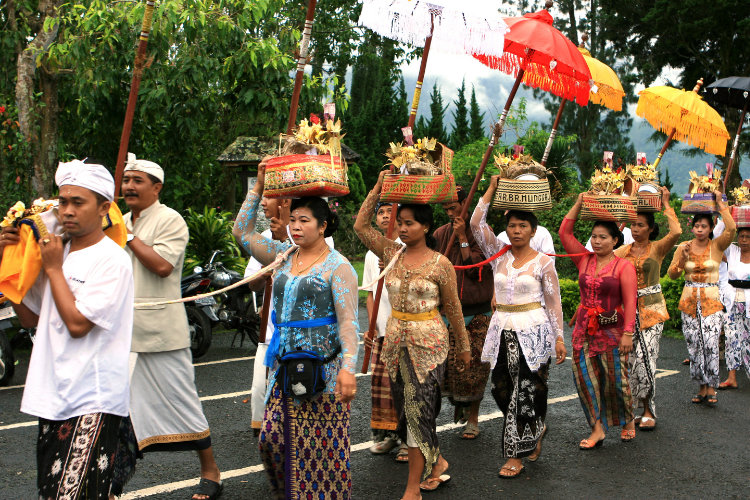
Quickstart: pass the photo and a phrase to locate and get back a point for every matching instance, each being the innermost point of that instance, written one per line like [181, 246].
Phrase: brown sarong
[383, 412]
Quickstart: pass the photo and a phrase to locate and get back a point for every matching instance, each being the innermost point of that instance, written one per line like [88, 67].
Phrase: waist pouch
[301, 373]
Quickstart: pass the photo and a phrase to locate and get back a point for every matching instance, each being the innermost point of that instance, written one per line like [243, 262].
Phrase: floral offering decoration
[18, 211]
[705, 183]
[511, 167]
[644, 172]
[314, 138]
[607, 181]
[416, 159]
[741, 195]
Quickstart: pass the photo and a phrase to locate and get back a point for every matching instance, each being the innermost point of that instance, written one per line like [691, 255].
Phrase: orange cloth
[22, 262]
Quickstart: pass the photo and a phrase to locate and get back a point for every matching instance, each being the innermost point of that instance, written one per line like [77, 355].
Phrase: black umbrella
[733, 91]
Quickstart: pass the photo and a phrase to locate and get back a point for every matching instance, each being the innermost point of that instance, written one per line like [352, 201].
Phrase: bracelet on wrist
[629, 334]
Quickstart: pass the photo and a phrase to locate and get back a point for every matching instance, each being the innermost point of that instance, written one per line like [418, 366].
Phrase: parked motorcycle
[200, 312]
[7, 360]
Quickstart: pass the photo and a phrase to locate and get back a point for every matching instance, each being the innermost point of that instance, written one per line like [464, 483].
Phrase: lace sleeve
[552, 298]
[482, 231]
[258, 246]
[345, 302]
[370, 237]
[629, 293]
[569, 241]
[674, 271]
[451, 304]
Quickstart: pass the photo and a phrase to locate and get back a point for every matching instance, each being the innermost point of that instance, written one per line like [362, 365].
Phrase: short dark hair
[612, 229]
[740, 229]
[153, 179]
[707, 217]
[320, 211]
[99, 198]
[524, 216]
[423, 215]
[652, 225]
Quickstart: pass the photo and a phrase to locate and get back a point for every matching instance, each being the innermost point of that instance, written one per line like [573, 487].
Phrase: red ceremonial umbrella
[542, 57]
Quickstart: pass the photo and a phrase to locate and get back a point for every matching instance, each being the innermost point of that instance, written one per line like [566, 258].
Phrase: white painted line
[178, 485]
[225, 396]
[19, 424]
[11, 387]
[221, 361]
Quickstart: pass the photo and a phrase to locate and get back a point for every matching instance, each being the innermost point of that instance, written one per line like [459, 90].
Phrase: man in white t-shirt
[82, 306]
[541, 241]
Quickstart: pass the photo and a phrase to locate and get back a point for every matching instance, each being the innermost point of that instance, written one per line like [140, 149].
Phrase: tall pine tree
[476, 119]
[460, 133]
[436, 124]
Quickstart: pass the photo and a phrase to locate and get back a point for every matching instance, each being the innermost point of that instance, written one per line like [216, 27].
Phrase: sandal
[726, 385]
[587, 444]
[433, 483]
[538, 450]
[471, 431]
[384, 446]
[698, 399]
[403, 454]
[646, 420]
[711, 400]
[515, 471]
[210, 489]
[627, 435]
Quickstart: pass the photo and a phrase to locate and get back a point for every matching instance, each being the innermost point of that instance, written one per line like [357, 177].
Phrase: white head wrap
[87, 175]
[144, 166]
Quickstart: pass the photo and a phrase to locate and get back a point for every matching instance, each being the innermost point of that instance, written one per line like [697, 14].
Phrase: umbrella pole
[370, 335]
[496, 133]
[553, 133]
[127, 127]
[664, 147]
[735, 146]
[298, 78]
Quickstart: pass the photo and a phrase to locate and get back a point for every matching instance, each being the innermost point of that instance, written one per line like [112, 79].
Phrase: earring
[425, 230]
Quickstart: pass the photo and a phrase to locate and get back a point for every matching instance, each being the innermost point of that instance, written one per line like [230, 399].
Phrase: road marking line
[11, 387]
[19, 424]
[188, 483]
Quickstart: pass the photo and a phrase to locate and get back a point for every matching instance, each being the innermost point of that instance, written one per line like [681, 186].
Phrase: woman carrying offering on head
[651, 313]
[315, 305]
[416, 340]
[603, 333]
[522, 333]
[737, 297]
[702, 310]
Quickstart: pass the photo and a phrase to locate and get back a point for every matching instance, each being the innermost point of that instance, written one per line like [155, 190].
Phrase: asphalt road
[695, 452]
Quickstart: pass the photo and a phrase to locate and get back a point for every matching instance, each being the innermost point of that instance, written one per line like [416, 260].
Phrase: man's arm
[151, 260]
[26, 316]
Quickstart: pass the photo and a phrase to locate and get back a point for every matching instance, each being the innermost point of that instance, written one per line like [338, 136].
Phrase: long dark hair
[320, 210]
[652, 225]
[423, 215]
[708, 218]
[612, 229]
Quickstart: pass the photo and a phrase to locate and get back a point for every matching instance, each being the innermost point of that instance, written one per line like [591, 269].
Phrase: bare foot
[511, 468]
[411, 496]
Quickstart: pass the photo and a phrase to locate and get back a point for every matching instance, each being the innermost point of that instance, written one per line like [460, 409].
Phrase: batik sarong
[521, 395]
[702, 338]
[75, 457]
[469, 385]
[737, 330]
[642, 364]
[603, 388]
[305, 447]
[383, 411]
[417, 406]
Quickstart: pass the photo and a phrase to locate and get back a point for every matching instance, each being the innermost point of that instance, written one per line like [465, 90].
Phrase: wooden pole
[304, 44]
[370, 335]
[735, 146]
[552, 134]
[497, 132]
[127, 127]
[671, 134]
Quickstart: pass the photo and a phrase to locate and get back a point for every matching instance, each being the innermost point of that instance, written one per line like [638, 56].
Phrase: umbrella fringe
[608, 97]
[690, 128]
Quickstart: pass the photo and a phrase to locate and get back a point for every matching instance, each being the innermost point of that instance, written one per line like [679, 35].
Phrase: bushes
[209, 231]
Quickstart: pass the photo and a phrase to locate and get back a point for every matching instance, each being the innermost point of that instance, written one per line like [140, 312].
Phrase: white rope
[385, 271]
[280, 258]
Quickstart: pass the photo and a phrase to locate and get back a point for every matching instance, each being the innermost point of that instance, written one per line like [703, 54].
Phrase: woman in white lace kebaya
[522, 332]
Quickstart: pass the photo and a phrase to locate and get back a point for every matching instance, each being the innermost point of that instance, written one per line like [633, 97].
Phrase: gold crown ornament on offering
[741, 209]
[611, 196]
[422, 172]
[644, 175]
[309, 161]
[700, 198]
[523, 183]
[19, 211]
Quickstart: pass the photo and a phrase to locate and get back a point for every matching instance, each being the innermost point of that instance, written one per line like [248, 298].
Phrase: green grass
[359, 266]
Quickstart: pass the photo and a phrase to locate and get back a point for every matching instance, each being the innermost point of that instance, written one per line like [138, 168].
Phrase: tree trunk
[45, 155]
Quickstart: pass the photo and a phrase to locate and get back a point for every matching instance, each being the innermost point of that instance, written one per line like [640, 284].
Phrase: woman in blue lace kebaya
[310, 439]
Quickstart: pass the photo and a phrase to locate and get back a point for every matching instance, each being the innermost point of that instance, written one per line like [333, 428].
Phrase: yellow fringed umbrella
[683, 116]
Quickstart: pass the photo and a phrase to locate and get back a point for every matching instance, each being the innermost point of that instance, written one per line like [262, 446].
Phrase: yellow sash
[404, 316]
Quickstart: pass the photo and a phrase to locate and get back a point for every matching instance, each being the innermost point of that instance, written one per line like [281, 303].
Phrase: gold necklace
[300, 264]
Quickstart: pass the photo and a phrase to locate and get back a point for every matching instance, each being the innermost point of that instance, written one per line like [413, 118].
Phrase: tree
[420, 127]
[476, 128]
[460, 133]
[435, 125]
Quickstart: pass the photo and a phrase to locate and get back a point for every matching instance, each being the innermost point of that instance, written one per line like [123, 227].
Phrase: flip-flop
[645, 420]
[727, 386]
[433, 483]
[516, 471]
[538, 450]
[471, 431]
[211, 489]
[711, 400]
[698, 399]
[627, 435]
[586, 444]
[402, 456]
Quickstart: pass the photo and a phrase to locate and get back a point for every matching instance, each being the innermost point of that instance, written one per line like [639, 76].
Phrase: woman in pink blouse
[603, 334]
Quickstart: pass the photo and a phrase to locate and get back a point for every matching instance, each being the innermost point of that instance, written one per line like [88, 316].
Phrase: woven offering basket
[613, 207]
[700, 203]
[648, 202]
[526, 195]
[422, 189]
[295, 176]
[741, 215]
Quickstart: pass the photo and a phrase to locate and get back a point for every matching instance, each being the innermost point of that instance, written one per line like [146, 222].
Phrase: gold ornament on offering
[741, 195]
[642, 173]
[521, 166]
[607, 182]
[417, 159]
[705, 183]
[312, 138]
[18, 211]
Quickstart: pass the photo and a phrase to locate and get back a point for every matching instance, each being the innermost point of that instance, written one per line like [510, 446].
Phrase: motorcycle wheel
[8, 365]
[250, 320]
[200, 331]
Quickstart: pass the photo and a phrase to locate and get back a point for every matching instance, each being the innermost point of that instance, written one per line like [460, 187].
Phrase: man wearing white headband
[165, 409]
[81, 305]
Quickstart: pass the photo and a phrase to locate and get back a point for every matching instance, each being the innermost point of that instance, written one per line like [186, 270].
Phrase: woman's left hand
[560, 353]
[463, 360]
[346, 385]
[626, 344]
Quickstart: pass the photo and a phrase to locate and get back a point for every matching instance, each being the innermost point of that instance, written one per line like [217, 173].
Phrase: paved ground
[696, 452]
